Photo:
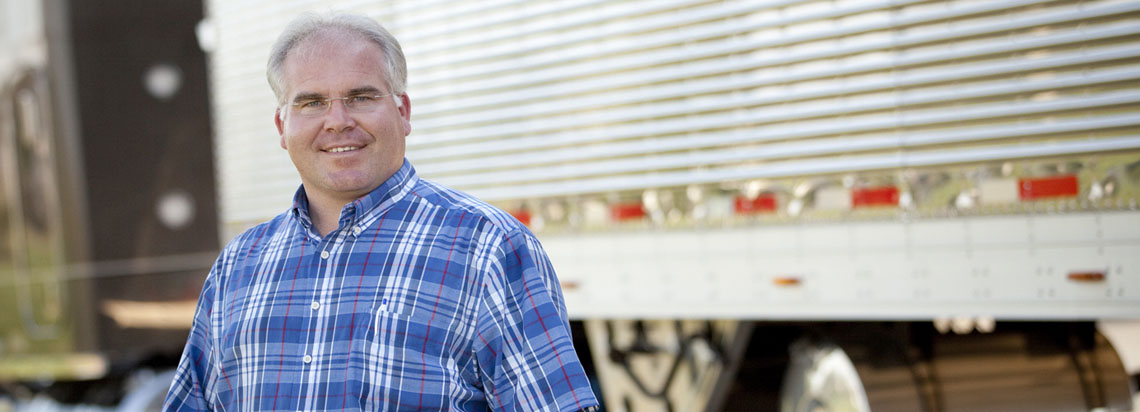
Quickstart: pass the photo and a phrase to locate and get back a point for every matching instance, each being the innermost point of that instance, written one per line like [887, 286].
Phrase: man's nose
[338, 118]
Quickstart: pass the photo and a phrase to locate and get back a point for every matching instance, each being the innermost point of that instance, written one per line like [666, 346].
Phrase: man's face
[341, 155]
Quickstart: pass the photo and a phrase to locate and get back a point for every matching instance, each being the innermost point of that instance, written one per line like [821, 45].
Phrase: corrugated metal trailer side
[880, 164]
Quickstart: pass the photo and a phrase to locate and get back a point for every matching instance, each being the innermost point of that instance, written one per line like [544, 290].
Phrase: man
[377, 290]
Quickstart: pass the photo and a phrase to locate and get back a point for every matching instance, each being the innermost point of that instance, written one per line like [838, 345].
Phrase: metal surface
[560, 100]
[1006, 266]
[821, 378]
[1036, 371]
[662, 365]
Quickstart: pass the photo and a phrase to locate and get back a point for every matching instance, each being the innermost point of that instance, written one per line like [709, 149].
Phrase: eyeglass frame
[344, 100]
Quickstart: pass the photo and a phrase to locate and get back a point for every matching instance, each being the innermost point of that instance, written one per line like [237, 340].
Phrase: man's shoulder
[256, 233]
[445, 197]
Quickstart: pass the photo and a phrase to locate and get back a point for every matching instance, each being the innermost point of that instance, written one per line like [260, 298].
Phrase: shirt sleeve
[191, 387]
[525, 353]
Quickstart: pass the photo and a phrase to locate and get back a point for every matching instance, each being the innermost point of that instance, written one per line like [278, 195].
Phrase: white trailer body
[837, 166]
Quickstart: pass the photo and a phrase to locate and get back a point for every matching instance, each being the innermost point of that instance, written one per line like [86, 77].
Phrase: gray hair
[308, 24]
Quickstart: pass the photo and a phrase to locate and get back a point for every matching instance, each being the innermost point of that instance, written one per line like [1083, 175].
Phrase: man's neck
[325, 213]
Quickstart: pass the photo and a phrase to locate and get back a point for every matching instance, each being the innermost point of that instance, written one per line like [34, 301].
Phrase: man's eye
[310, 104]
[360, 99]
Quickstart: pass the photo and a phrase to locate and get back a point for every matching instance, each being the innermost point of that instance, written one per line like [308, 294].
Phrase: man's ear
[280, 126]
[405, 109]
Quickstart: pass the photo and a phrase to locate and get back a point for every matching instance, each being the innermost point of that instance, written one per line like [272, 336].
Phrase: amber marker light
[787, 281]
[1087, 276]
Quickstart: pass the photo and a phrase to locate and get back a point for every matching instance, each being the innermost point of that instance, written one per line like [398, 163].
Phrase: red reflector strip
[1087, 276]
[765, 203]
[875, 196]
[522, 215]
[627, 211]
[1040, 188]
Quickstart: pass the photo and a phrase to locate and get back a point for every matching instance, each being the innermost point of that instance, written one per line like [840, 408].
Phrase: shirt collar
[362, 211]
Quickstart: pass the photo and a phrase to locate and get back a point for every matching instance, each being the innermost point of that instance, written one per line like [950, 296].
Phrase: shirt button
[307, 359]
[356, 230]
[325, 254]
[316, 305]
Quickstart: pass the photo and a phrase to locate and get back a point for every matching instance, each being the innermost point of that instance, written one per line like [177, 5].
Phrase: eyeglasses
[357, 103]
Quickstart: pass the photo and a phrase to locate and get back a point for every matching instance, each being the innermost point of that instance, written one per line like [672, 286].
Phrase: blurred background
[755, 205]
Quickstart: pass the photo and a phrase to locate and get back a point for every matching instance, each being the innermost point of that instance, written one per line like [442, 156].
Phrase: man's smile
[341, 149]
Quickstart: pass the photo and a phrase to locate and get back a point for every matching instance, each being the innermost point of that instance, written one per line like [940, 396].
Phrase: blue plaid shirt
[423, 298]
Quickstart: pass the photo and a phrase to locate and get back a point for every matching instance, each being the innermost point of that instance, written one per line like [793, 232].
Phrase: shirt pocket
[387, 326]
[390, 362]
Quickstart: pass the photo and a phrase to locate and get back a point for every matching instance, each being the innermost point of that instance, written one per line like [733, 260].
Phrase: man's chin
[356, 189]
[342, 187]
